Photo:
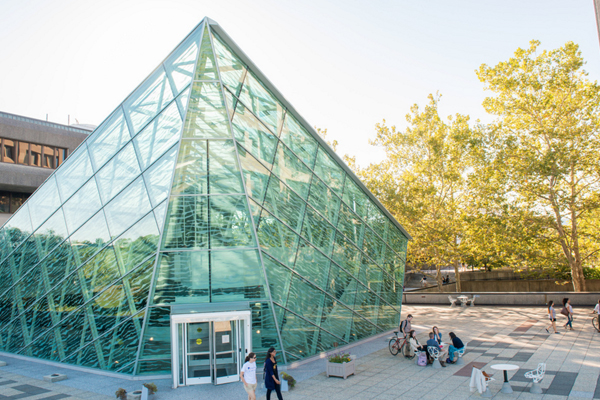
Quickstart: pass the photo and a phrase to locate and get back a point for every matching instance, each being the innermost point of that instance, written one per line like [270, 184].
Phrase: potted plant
[148, 390]
[121, 394]
[340, 364]
[288, 382]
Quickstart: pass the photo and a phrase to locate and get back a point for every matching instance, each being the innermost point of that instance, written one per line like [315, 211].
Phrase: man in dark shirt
[405, 326]
[433, 343]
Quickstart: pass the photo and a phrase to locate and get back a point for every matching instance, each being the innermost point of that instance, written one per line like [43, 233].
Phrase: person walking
[272, 381]
[552, 317]
[248, 375]
[567, 311]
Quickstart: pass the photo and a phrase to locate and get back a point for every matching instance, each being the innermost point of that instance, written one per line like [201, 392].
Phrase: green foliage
[339, 358]
[151, 388]
[290, 379]
[121, 394]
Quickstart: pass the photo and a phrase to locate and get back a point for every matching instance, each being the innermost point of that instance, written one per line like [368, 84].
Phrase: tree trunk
[438, 277]
[457, 275]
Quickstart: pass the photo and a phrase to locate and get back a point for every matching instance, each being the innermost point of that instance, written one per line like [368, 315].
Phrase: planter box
[284, 385]
[342, 370]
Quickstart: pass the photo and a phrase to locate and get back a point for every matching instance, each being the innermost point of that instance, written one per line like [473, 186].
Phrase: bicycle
[399, 344]
[595, 322]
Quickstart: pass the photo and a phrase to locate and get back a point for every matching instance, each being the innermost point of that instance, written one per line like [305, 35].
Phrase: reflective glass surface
[255, 175]
[158, 177]
[253, 135]
[108, 139]
[180, 64]
[299, 140]
[82, 205]
[291, 171]
[206, 116]
[117, 173]
[74, 172]
[232, 70]
[206, 69]
[130, 205]
[45, 203]
[261, 101]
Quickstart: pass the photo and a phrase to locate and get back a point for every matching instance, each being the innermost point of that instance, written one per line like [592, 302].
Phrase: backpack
[422, 360]
[403, 325]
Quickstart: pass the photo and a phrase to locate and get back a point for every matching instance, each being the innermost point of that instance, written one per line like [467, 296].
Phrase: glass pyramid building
[203, 191]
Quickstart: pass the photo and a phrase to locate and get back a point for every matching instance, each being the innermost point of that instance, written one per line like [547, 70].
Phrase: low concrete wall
[503, 298]
[542, 285]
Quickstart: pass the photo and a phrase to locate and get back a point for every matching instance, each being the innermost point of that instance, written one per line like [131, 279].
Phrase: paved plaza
[494, 335]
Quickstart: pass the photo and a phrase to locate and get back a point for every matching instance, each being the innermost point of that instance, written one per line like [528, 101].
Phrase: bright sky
[344, 64]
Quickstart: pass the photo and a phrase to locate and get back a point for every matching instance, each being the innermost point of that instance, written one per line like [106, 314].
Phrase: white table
[463, 300]
[506, 388]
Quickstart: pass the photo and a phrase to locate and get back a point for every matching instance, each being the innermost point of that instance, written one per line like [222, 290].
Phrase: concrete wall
[542, 285]
[531, 299]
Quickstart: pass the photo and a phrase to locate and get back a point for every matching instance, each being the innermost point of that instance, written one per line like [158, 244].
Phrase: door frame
[244, 317]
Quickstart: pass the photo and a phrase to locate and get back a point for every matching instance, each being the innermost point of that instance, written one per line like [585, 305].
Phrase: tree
[422, 181]
[548, 121]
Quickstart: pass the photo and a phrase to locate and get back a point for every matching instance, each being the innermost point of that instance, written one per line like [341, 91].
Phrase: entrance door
[209, 348]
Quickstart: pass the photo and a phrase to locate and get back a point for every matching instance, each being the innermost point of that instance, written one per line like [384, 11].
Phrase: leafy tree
[422, 181]
[548, 122]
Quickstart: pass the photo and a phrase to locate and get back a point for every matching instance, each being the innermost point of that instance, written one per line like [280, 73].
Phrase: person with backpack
[272, 381]
[567, 311]
[248, 375]
[405, 326]
[415, 345]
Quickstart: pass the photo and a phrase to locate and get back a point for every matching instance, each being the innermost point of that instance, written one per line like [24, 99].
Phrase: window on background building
[4, 202]
[25, 153]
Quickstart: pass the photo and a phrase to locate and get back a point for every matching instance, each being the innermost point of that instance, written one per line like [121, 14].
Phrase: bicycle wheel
[394, 346]
[595, 323]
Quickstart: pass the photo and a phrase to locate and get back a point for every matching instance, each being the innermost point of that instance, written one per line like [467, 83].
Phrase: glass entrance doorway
[209, 348]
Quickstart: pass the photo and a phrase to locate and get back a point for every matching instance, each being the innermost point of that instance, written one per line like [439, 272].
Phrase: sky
[343, 65]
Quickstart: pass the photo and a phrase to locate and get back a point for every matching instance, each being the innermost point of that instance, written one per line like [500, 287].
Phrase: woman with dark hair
[248, 375]
[272, 381]
[437, 336]
[552, 317]
[567, 311]
[457, 344]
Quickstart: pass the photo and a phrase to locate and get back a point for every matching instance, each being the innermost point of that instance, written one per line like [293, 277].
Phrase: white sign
[225, 339]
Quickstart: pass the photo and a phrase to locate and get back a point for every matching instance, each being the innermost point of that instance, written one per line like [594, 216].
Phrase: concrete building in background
[30, 150]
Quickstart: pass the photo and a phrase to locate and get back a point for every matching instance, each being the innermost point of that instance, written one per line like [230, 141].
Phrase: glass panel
[373, 275]
[16, 229]
[206, 115]
[192, 168]
[23, 156]
[118, 173]
[346, 255]
[376, 219]
[362, 328]
[253, 135]
[28, 289]
[291, 171]
[323, 199]
[158, 177]
[355, 198]
[182, 102]
[148, 100]
[350, 225]
[337, 318]
[366, 303]
[329, 171]
[68, 297]
[318, 231]
[74, 331]
[90, 238]
[180, 64]
[108, 308]
[341, 285]
[157, 335]
[159, 214]
[312, 264]
[231, 101]
[264, 333]
[224, 173]
[36, 154]
[255, 209]
[206, 67]
[373, 246]
[45, 201]
[108, 139]
[58, 264]
[120, 346]
[186, 226]
[82, 205]
[284, 204]
[51, 233]
[158, 136]
[76, 170]
[129, 206]
[277, 239]
[137, 243]
[100, 271]
[391, 291]
[182, 277]
[138, 283]
[231, 68]
[279, 280]
[230, 224]
[262, 103]
[256, 175]
[299, 140]
[236, 276]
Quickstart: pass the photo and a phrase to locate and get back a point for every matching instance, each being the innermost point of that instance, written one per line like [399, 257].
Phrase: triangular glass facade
[201, 187]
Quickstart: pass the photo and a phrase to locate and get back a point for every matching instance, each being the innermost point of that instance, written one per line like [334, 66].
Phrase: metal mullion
[200, 250]
[161, 231]
[254, 230]
[207, 195]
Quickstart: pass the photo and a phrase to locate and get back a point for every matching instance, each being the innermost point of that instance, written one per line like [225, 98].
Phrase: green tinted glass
[253, 135]
[230, 224]
[297, 138]
[261, 101]
[279, 279]
[284, 204]
[277, 239]
[312, 264]
[236, 276]
[187, 223]
[255, 175]
[291, 171]
[318, 231]
[182, 277]
[329, 171]
[206, 68]
[206, 116]
[231, 68]
[192, 168]
[224, 173]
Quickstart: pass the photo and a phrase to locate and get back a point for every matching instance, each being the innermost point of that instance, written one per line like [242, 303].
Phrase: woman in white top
[248, 375]
[569, 315]
[552, 317]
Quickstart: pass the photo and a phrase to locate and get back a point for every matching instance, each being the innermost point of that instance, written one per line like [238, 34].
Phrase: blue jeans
[569, 321]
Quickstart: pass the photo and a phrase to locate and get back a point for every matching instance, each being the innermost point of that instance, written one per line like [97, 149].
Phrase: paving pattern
[494, 335]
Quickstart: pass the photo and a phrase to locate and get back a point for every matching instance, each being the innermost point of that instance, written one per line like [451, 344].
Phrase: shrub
[339, 358]
[151, 388]
[290, 379]
[121, 394]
